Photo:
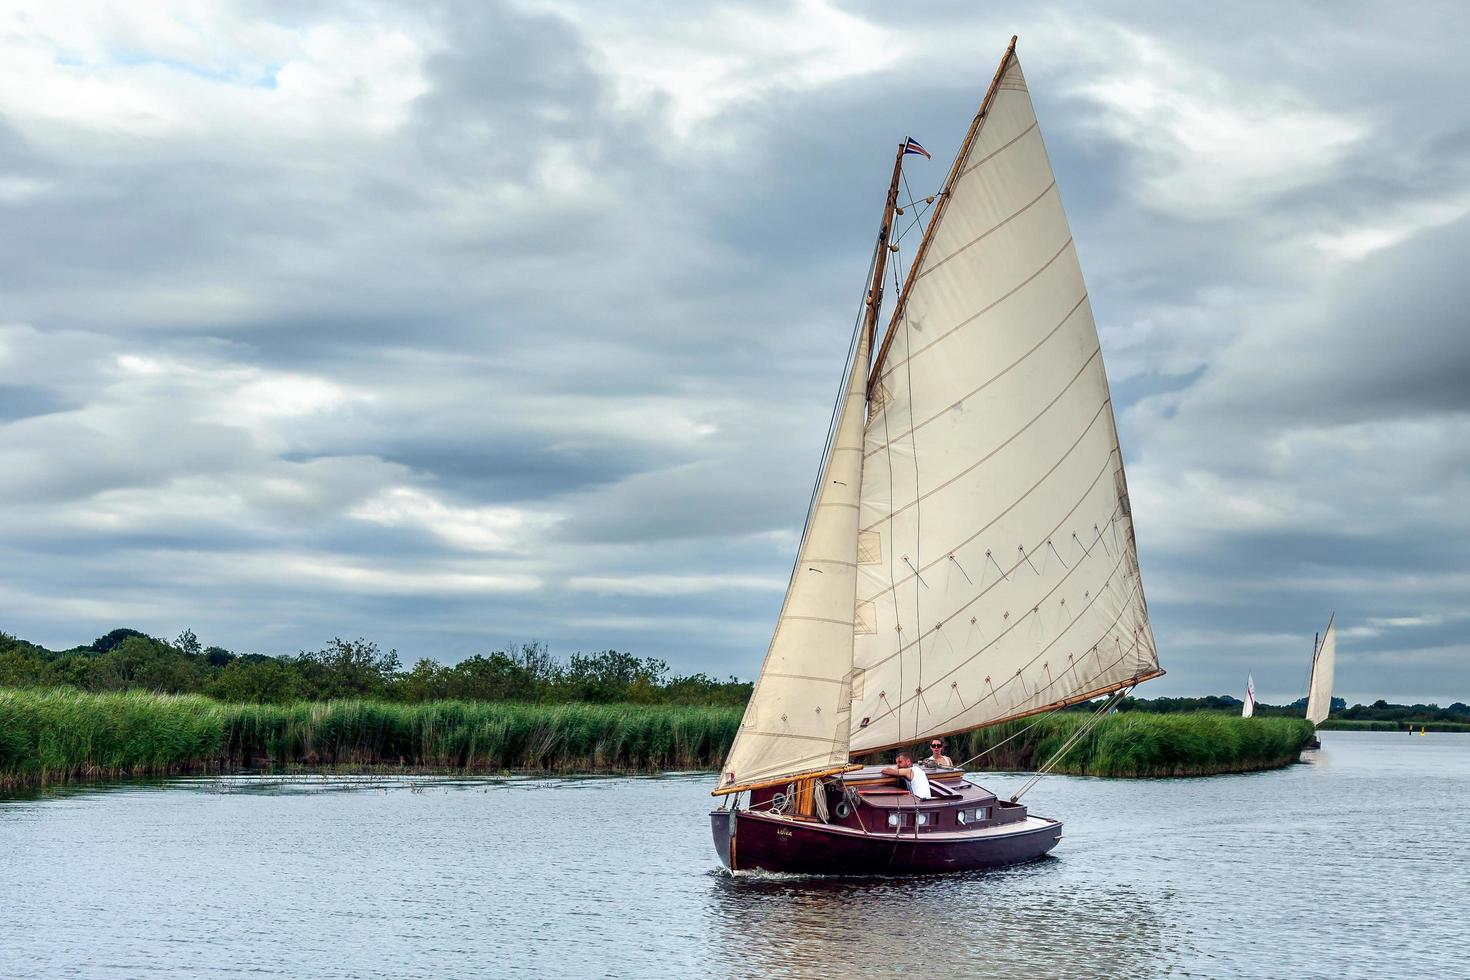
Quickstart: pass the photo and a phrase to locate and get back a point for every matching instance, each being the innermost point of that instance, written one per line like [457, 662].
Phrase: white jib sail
[797, 717]
[1319, 698]
[1250, 697]
[997, 571]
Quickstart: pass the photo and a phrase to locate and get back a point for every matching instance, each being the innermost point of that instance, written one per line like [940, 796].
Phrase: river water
[1353, 863]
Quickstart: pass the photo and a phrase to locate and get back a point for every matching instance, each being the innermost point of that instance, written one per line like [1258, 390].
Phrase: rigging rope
[835, 418]
[1070, 743]
[1039, 720]
[918, 215]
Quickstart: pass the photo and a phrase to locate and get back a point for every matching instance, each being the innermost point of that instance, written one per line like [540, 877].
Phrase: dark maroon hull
[772, 843]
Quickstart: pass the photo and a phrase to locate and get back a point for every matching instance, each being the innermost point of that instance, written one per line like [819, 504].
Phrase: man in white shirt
[904, 768]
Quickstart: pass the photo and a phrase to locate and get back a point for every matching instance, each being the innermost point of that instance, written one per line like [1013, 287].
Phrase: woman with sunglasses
[937, 759]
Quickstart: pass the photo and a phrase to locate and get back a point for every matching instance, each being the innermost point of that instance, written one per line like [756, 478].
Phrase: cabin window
[959, 817]
[843, 810]
[894, 819]
[982, 813]
[923, 819]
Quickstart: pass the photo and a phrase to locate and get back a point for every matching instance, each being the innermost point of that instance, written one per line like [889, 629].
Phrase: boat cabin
[871, 802]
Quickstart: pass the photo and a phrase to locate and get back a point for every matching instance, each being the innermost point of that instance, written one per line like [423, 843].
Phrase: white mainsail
[1250, 697]
[1324, 661]
[797, 718]
[970, 555]
[997, 571]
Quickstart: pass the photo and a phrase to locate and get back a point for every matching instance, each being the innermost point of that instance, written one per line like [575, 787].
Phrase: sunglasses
[936, 745]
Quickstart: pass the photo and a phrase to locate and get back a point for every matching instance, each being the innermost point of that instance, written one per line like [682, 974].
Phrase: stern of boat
[722, 828]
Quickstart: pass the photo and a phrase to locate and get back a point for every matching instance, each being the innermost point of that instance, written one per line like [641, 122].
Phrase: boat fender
[731, 821]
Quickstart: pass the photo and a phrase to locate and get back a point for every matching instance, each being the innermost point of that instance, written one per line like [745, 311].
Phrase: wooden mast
[880, 263]
[944, 195]
[806, 780]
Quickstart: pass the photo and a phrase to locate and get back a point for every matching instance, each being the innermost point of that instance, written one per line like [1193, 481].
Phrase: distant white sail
[1324, 661]
[1250, 697]
[797, 718]
[997, 570]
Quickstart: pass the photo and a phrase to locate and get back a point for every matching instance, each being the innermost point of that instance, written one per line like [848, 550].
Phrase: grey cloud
[533, 293]
[24, 401]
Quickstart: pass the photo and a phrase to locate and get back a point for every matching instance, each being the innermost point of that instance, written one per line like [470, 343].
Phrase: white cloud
[1385, 230]
[94, 72]
[672, 585]
[474, 528]
[1208, 145]
[702, 60]
[428, 323]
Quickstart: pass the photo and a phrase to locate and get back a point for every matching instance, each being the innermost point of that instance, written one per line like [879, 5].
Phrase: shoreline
[59, 736]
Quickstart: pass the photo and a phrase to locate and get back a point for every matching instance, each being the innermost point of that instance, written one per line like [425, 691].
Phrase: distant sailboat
[1319, 692]
[969, 555]
[1249, 708]
[1319, 688]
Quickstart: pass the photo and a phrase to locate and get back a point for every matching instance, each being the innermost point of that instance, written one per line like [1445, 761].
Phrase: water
[1354, 863]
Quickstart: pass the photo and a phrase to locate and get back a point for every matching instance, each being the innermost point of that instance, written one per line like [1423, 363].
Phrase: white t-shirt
[919, 783]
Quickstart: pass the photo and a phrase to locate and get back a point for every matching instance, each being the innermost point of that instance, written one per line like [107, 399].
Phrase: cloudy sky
[452, 325]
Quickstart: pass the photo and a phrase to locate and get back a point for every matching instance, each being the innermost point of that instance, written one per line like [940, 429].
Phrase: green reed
[1136, 744]
[61, 734]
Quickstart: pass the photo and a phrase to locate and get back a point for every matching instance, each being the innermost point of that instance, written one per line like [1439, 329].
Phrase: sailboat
[968, 556]
[1249, 708]
[1319, 688]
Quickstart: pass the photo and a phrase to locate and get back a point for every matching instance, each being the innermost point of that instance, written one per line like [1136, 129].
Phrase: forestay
[997, 572]
[797, 719]
[1319, 698]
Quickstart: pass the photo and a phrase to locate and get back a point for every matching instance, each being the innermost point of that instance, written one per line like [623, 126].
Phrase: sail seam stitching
[983, 592]
[986, 234]
[1060, 582]
[809, 677]
[979, 313]
[807, 738]
[1002, 372]
[996, 152]
[819, 619]
[995, 689]
[1018, 433]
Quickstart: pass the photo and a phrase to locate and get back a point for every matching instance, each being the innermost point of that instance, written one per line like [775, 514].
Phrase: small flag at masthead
[911, 145]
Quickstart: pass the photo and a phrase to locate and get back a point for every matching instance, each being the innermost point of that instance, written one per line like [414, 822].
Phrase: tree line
[128, 659]
[1379, 710]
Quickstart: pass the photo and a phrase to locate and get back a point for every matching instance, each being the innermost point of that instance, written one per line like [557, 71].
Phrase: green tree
[142, 662]
[20, 667]
[110, 641]
[188, 643]
[348, 669]
[428, 681]
[259, 680]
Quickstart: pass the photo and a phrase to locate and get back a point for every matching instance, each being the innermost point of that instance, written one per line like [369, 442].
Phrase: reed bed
[1134, 744]
[57, 735]
[61, 734]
